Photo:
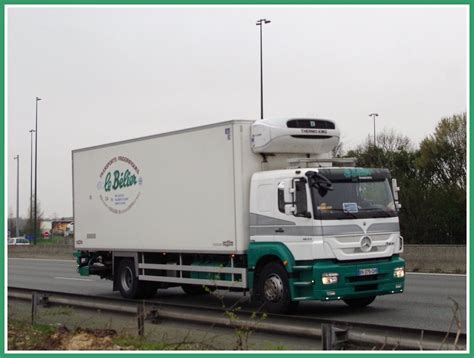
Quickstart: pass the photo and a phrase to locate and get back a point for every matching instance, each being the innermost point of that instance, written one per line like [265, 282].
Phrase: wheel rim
[127, 278]
[273, 288]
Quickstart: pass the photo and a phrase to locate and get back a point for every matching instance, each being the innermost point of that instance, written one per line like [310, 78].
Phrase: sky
[112, 73]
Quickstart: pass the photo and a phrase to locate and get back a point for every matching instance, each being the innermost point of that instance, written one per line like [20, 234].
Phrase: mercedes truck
[252, 206]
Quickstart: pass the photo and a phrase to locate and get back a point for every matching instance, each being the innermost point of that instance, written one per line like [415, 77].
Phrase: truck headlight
[399, 272]
[329, 278]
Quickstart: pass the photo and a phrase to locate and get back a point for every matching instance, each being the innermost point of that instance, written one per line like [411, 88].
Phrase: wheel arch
[269, 251]
[117, 257]
[259, 254]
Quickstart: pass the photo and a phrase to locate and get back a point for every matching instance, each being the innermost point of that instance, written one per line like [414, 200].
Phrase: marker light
[399, 272]
[330, 278]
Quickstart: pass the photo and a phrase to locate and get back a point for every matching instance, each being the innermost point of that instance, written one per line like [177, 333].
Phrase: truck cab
[336, 231]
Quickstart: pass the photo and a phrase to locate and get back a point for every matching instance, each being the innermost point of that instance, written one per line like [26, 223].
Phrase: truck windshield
[354, 200]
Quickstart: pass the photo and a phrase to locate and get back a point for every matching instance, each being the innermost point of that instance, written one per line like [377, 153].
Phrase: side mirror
[288, 191]
[395, 190]
[319, 181]
[290, 209]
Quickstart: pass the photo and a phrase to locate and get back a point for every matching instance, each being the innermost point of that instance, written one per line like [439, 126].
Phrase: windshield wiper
[345, 212]
[385, 214]
[376, 211]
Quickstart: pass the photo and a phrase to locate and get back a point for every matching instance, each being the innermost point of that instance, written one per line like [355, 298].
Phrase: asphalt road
[424, 304]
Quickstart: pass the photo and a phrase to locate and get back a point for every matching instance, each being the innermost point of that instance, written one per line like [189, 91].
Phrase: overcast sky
[108, 74]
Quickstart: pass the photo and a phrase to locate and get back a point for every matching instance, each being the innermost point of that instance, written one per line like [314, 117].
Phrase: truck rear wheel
[128, 283]
[273, 289]
[359, 302]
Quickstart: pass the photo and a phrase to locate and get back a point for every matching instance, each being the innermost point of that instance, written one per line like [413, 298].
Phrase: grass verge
[24, 336]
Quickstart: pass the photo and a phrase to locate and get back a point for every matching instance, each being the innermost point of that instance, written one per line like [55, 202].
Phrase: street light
[17, 158]
[260, 23]
[373, 115]
[36, 173]
[31, 179]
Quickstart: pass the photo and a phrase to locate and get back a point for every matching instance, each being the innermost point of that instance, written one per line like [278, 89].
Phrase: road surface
[424, 304]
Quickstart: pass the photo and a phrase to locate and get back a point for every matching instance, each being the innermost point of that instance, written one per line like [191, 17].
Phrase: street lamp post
[373, 115]
[17, 230]
[31, 180]
[36, 173]
[260, 23]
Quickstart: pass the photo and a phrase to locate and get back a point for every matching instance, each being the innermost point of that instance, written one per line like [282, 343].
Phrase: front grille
[363, 278]
[358, 250]
[366, 287]
[363, 261]
[310, 123]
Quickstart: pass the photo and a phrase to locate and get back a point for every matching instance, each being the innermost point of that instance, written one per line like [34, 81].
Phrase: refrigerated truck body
[243, 205]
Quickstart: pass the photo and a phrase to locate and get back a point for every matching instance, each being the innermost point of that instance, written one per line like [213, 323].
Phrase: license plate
[368, 271]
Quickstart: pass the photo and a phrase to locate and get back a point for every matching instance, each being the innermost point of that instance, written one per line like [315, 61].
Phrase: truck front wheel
[128, 283]
[359, 302]
[273, 289]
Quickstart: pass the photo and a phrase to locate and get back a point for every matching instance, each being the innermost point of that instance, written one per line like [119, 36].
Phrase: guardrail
[333, 334]
[435, 258]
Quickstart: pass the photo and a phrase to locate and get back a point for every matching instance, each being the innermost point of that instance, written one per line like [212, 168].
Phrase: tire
[273, 289]
[197, 289]
[359, 302]
[128, 283]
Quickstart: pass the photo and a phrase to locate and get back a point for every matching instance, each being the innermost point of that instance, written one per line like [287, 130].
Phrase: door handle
[279, 230]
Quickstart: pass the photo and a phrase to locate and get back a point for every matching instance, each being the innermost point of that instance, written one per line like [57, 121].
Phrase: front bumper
[307, 284]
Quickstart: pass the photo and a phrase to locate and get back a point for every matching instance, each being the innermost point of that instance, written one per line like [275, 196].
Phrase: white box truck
[244, 205]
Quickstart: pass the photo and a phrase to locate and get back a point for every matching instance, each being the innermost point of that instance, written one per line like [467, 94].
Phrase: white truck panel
[246, 164]
[158, 207]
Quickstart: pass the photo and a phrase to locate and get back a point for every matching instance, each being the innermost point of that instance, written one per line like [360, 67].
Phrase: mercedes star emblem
[366, 244]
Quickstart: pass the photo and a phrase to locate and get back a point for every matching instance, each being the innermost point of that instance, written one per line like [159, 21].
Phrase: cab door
[293, 208]
[262, 219]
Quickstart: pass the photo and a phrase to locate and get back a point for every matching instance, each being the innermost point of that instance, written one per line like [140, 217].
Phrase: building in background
[60, 226]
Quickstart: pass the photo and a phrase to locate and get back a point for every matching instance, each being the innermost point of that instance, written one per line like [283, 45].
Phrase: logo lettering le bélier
[119, 184]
